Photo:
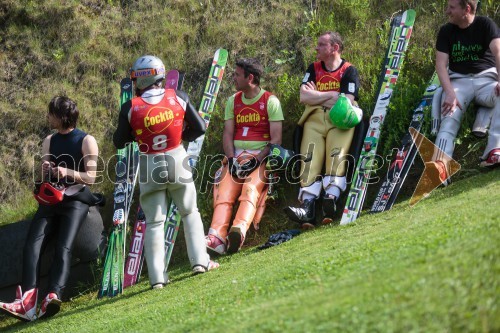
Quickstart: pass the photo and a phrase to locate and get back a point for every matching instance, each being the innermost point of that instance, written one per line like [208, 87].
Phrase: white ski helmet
[146, 71]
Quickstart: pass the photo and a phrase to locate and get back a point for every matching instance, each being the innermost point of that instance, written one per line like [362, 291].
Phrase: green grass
[430, 268]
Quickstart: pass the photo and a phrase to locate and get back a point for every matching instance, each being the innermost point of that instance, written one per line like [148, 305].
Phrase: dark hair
[335, 38]
[64, 109]
[471, 3]
[251, 66]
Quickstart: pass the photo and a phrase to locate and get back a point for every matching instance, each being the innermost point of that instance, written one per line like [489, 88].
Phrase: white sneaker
[199, 269]
[157, 286]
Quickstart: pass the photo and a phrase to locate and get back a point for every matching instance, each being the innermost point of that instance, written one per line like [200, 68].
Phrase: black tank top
[66, 150]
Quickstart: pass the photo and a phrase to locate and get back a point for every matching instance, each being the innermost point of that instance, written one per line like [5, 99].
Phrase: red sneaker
[438, 170]
[215, 244]
[23, 307]
[493, 159]
[51, 305]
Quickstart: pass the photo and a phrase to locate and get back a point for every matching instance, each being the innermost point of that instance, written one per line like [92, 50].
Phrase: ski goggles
[146, 72]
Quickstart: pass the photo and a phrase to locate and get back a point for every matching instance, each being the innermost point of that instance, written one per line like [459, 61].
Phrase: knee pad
[450, 126]
[227, 196]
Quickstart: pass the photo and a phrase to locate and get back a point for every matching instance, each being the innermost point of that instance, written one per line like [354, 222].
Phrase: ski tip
[221, 56]
[221, 50]
[409, 17]
[126, 86]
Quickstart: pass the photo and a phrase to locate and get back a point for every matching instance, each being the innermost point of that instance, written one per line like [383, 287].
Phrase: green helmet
[146, 71]
[278, 157]
[343, 115]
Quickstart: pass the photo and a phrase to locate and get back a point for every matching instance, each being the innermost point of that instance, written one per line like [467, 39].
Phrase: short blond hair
[335, 38]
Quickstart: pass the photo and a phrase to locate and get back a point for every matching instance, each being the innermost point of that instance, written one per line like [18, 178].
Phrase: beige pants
[327, 144]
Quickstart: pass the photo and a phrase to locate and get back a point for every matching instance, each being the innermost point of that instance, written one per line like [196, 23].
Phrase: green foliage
[83, 49]
[430, 268]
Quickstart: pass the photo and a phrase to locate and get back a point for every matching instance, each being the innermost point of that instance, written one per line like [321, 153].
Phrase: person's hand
[232, 166]
[450, 104]
[310, 86]
[247, 167]
[59, 172]
[497, 89]
[46, 165]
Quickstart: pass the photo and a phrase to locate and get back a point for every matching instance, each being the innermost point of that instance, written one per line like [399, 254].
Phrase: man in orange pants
[253, 121]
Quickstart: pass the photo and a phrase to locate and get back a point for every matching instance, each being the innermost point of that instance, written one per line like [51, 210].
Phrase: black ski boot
[329, 208]
[305, 214]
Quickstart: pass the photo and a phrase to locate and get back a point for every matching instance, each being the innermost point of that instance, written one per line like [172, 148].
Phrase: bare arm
[46, 155]
[45, 149]
[450, 103]
[228, 138]
[275, 128]
[90, 153]
[309, 95]
[495, 50]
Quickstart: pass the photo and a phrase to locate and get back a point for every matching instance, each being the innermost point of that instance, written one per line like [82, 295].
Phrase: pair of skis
[194, 148]
[401, 29]
[126, 174]
[405, 155]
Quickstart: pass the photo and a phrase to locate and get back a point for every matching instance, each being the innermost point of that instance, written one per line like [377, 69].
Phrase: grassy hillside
[430, 268]
[83, 48]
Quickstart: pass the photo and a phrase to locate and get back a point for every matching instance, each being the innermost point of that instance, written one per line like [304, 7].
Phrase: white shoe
[199, 269]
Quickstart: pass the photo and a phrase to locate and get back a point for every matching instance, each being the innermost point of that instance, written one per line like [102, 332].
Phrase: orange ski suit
[248, 191]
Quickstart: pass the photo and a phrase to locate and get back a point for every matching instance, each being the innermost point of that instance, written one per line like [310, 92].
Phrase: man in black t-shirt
[467, 63]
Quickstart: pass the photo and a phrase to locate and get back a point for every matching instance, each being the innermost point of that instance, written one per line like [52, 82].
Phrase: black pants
[62, 222]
